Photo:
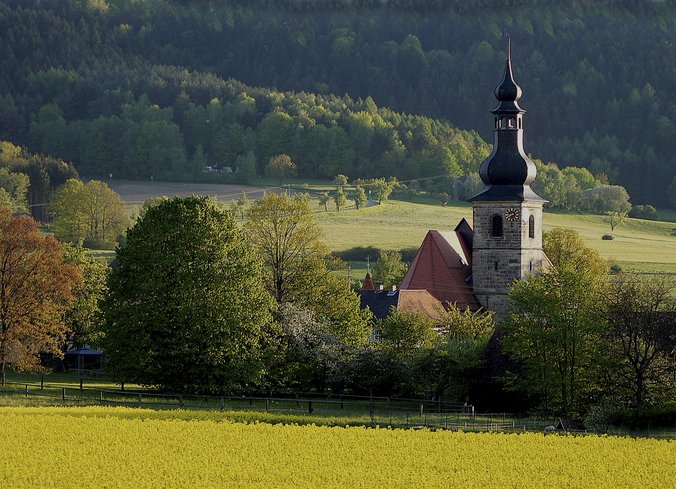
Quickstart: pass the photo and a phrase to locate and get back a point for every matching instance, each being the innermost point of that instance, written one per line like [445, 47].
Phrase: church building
[473, 266]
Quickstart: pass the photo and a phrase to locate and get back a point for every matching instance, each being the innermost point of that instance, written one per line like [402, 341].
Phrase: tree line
[140, 89]
[230, 308]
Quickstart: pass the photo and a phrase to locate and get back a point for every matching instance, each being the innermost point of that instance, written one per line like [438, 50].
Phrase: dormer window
[496, 226]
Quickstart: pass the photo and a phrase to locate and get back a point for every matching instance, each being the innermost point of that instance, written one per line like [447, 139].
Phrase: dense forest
[161, 89]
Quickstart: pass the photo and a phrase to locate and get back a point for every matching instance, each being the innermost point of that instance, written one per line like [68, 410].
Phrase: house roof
[380, 302]
[420, 301]
[443, 267]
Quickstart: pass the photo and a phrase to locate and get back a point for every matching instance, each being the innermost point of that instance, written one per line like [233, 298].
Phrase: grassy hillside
[639, 245]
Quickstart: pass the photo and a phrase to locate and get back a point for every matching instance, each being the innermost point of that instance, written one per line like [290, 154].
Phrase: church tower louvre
[507, 244]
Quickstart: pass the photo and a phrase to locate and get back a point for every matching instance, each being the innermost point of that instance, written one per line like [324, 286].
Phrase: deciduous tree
[91, 213]
[555, 330]
[339, 198]
[641, 315]
[285, 234]
[280, 167]
[381, 189]
[187, 308]
[83, 317]
[36, 286]
[324, 198]
[359, 197]
[389, 269]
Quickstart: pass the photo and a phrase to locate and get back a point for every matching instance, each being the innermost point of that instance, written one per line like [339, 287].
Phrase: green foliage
[641, 318]
[280, 167]
[381, 189]
[615, 219]
[555, 330]
[643, 212]
[671, 193]
[456, 356]
[246, 168]
[193, 316]
[340, 180]
[339, 198]
[359, 197]
[44, 174]
[15, 187]
[389, 269]
[565, 248]
[606, 198]
[431, 61]
[285, 234]
[404, 333]
[88, 213]
[323, 199]
[83, 317]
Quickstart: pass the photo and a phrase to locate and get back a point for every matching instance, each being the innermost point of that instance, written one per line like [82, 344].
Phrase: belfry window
[496, 226]
[531, 227]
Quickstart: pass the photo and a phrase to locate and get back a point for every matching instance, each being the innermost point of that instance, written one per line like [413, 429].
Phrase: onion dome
[508, 172]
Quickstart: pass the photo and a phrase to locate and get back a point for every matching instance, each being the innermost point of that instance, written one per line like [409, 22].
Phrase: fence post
[122, 386]
[222, 403]
[3, 378]
[26, 390]
[101, 397]
[309, 407]
[80, 383]
[140, 399]
[267, 404]
[63, 393]
[42, 382]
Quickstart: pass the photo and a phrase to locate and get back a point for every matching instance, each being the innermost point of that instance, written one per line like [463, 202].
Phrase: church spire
[508, 171]
[508, 91]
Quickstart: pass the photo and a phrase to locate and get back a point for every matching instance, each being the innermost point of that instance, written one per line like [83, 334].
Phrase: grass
[638, 245]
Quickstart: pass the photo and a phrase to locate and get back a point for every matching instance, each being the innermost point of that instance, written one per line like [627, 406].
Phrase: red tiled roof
[443, 267]
[420, 301]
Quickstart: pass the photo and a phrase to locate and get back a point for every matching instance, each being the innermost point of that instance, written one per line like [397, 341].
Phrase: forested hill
[598, 80]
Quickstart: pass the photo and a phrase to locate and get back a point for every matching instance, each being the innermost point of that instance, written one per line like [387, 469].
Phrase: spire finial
[508, 90]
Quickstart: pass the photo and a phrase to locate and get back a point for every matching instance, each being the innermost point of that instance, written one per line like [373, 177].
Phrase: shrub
[643, 212]
[607, 237]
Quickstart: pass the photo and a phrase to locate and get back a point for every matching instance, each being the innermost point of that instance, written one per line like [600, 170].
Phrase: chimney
[380, 287]
[394, 288]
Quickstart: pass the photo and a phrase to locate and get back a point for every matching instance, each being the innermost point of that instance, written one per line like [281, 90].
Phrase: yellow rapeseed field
[134, 448]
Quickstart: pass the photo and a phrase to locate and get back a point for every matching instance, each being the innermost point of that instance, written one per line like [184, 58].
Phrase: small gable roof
[420, 301]
[380, 302]
[443, 267]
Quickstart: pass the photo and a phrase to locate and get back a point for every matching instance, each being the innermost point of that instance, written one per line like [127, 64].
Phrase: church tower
[507, 243]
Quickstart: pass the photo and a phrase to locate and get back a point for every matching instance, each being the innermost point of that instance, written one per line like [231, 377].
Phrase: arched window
[531, 227]
[496, 228]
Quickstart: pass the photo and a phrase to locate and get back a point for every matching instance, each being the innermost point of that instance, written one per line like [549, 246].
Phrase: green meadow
[638, 245]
